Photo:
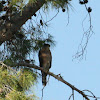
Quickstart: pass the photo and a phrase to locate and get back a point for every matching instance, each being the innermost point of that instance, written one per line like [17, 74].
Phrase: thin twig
[86, 35]
[42, 92]
[70, 96]
[73, 94]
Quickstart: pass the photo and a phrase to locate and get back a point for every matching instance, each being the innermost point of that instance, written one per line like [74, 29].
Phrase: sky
[82, 74]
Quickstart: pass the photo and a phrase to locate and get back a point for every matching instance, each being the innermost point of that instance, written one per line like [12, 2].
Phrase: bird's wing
[50, 58]
[40, 58]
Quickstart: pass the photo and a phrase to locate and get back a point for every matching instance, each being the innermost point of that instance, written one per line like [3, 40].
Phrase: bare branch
[56, 77]
[93, 96]
[86, 36]
[70, 97]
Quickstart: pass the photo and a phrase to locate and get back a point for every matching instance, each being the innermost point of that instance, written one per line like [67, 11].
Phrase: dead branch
[56, 77]
[86, 36]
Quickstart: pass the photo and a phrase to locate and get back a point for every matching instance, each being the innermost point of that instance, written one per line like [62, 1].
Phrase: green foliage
[27, 78]
[21, 47]
[55, 3]
[16, 50]
[15, 83]
[8, 62]
[32, 1]
[7, 79]
[58, 3]
[39, 42]
[16, 95]
[20, 3]
[15, 1]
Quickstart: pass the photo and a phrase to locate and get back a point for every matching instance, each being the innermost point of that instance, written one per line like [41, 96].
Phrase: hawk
[45, 59]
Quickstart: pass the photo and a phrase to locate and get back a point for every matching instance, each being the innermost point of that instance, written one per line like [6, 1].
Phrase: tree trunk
[9, 28]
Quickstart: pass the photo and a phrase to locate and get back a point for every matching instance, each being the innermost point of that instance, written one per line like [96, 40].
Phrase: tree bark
[10, 27]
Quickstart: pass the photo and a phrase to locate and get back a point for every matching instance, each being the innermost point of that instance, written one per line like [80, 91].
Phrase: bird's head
[46, 46]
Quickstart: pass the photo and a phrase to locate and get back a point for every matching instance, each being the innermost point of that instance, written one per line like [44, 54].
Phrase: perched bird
[45, 59]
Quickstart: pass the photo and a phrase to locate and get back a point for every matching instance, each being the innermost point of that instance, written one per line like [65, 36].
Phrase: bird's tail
[44, 82]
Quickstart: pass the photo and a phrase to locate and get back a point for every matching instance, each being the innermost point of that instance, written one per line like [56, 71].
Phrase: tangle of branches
[86, 33]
